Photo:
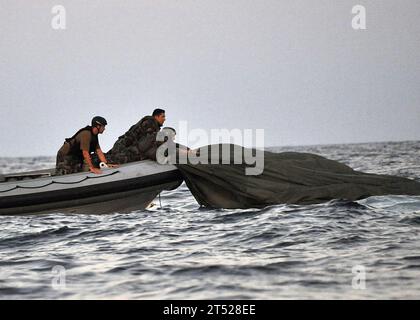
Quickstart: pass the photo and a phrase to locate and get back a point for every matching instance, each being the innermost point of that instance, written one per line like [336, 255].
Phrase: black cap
[99, 120]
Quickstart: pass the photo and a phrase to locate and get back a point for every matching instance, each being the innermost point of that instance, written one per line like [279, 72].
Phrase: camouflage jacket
[138, 143]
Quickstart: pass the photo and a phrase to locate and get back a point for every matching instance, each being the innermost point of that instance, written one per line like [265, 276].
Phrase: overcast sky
[294, 68]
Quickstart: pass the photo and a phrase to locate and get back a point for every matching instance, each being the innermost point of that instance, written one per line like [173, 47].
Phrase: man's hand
[95, 170]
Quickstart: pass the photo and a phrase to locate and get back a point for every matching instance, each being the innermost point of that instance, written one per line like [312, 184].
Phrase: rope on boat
[58, 182]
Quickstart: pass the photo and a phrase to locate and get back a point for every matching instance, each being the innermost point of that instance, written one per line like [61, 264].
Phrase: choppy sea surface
[369, 249]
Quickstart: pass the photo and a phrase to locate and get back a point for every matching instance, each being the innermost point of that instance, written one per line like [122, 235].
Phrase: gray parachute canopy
[289, 177]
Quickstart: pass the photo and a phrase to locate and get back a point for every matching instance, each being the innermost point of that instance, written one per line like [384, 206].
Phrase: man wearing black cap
[75, 154]
[139, 142]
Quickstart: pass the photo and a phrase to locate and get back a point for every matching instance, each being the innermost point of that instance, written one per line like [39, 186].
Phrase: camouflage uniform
[70, 158]
[138, 143]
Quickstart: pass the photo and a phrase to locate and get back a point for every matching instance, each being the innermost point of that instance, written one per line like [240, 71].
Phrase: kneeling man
[75, 154]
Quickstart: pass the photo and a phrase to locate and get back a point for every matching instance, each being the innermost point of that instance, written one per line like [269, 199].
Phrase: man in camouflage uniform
[139, 142]
[76, 153]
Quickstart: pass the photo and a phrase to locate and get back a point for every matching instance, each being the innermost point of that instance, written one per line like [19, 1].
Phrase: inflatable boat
[129, 187]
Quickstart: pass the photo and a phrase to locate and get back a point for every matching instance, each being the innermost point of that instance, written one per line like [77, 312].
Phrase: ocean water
[369, 249]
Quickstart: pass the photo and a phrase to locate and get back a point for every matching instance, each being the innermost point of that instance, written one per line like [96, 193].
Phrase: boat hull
[130, 187]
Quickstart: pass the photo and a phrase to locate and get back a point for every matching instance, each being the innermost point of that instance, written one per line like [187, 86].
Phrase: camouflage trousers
[124, 155]
[67, 163]
[126, 150]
